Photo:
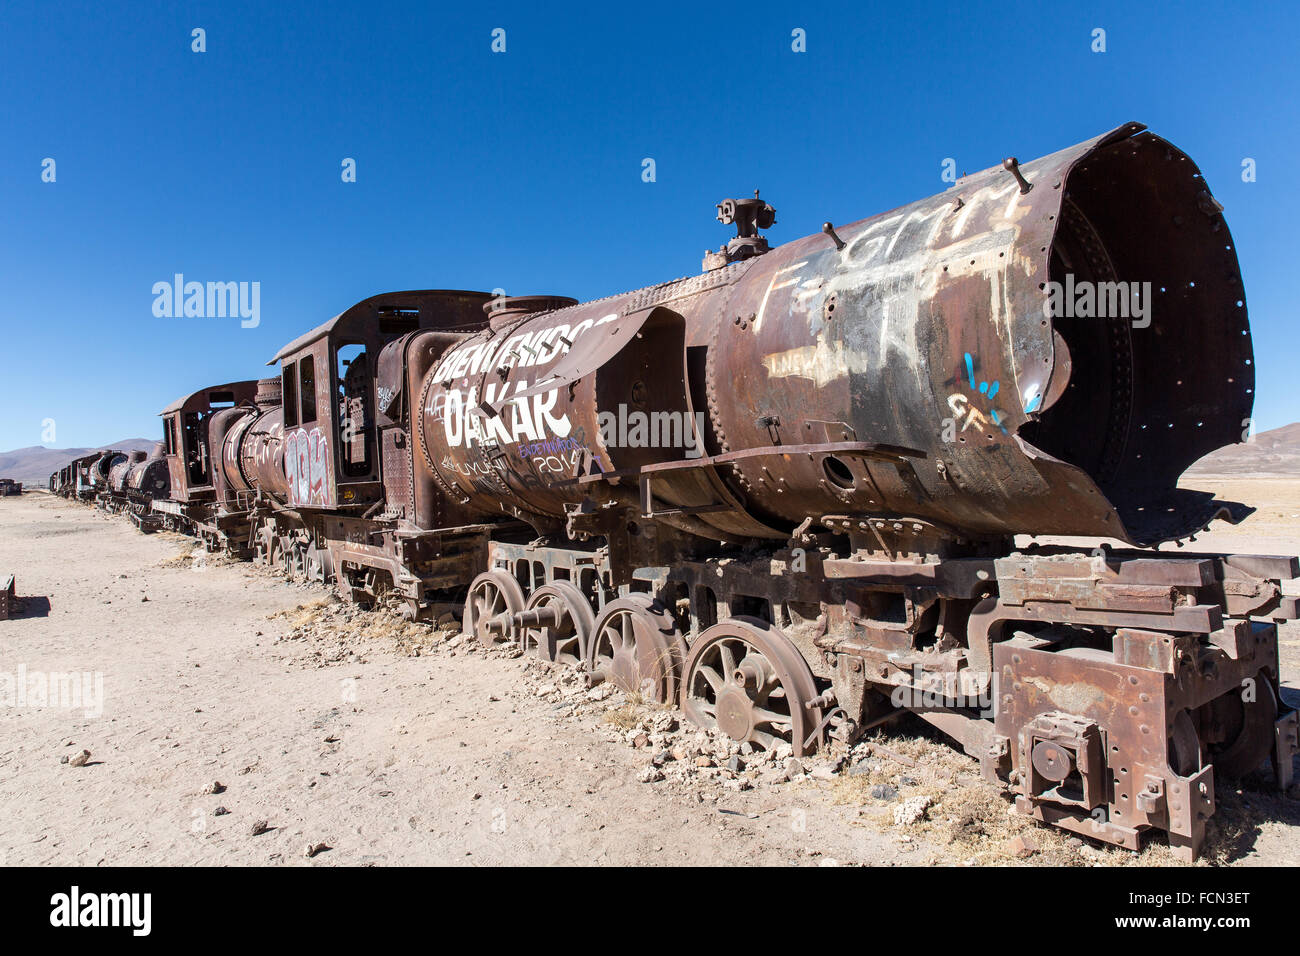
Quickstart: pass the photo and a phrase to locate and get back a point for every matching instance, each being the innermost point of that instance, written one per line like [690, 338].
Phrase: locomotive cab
[185, 437]
[329, 393]
[329, 422]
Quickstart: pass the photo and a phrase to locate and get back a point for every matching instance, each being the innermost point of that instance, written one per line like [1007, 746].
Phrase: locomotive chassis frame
[1115, 711]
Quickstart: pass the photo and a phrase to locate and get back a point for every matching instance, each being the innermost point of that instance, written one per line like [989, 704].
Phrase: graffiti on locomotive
[306, 457]
[527, 419]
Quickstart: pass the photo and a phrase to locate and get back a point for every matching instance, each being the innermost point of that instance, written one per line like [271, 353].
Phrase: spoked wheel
[295, 561]
[311, 567]
[1241, 731]
[558, 623]
[636, 647]
[284, 555]
[316, 564]
[492, 596]
[746, 679]
[265, 547]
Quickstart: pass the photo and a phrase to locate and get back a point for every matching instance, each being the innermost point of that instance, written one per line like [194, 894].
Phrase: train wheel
[492, 596]
[1186, 754]
[284, 554]
[264, 547]
[1241, 729]
[291, 561]
[315, 564]
[636, 648]
[746, 679]
[564, 624]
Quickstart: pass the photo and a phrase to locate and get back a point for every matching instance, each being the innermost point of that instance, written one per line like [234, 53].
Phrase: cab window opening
[307, 390]
[289, 394]
[355, 418]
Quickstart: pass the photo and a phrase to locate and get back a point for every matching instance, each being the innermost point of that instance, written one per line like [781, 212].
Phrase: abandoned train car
[784, 493]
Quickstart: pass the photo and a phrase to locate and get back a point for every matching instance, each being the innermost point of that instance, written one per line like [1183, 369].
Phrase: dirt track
[399, 745]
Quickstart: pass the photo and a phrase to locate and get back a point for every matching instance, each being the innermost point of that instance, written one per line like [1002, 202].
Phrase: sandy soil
[399, 744]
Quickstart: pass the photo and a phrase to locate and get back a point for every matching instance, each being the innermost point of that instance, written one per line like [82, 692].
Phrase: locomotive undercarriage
[375, 558]
[137, 507]
[281, 541]
[1102, 691]
[218, 530]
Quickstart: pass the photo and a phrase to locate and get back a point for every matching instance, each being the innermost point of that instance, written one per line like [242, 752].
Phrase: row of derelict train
[786, 494]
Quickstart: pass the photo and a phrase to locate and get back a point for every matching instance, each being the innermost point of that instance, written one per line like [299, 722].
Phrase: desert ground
[248, 721]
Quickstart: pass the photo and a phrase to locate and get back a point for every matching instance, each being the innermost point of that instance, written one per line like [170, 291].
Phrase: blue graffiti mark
[1032, 404]
[987, 389]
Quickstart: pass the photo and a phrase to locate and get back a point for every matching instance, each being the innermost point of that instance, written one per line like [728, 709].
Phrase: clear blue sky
[522, 170]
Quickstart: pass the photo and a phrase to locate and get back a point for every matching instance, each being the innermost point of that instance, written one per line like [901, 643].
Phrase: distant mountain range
[1270, 454]
[34, 465]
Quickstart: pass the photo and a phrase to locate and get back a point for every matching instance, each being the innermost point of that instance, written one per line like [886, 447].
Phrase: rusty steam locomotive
[785, 493]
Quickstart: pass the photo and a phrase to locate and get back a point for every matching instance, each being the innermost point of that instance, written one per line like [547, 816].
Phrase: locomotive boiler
[785, 493]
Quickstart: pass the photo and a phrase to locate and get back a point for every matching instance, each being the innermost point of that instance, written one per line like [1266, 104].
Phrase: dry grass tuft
[304, 614]
[624, 717]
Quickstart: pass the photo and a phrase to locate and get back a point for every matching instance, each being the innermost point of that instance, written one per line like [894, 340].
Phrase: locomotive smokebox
[1058, 340]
